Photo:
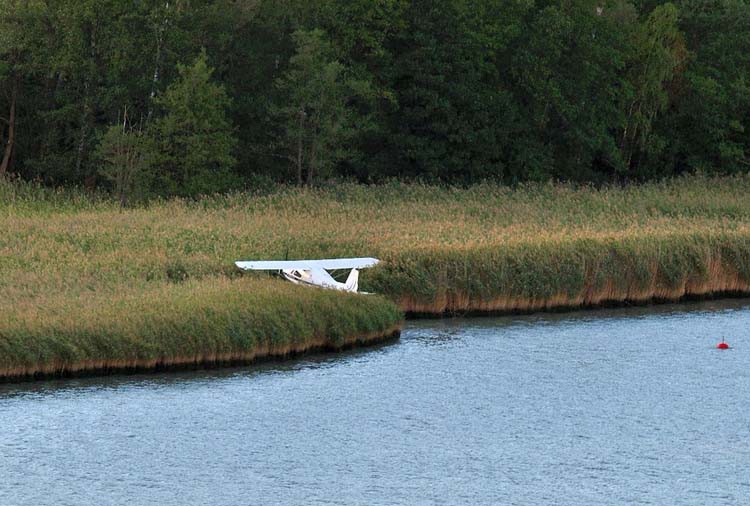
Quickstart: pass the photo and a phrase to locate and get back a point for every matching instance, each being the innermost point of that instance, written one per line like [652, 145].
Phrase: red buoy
[722, 345]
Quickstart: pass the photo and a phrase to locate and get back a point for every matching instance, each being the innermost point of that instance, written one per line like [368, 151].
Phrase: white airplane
[314, 272]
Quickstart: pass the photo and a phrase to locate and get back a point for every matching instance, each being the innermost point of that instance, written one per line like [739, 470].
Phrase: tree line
[184, 97]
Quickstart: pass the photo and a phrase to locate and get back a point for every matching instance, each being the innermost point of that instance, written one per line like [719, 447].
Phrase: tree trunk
[5, 165]
[87, 114]
[299, 147]
[160, 31]
[313, 161]
[83, 136]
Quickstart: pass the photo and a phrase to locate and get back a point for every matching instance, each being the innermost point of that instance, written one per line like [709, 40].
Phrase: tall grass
[485, 248]
[215, 320]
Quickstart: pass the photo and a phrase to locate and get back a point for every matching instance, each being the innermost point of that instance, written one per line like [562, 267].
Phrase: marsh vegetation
[84, 280]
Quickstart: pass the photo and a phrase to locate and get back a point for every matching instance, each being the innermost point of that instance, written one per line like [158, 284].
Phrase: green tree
[9, 80]
[126, 155]
[564, 68]
[709, 127]
[315, 113]
[362, 33]
[79, 65]
[20, 23]
[449, 90]
[195, 139]
[658, 52]
[452, 117]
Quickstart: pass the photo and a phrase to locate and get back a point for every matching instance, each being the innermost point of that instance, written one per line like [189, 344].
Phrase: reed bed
[484, 248]
[196, 323]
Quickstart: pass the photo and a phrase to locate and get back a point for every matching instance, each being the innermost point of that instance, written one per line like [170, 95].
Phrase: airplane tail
[352, 282]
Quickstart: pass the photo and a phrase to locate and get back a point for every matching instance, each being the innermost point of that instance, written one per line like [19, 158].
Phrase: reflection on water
[603, 407]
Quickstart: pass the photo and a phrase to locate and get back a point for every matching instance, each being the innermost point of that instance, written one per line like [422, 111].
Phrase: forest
[166, 98]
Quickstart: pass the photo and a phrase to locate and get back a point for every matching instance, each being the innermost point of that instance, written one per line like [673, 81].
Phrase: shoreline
[722, 283]
[570, 275]
[196, 362]
[206, 323]
[484, 308]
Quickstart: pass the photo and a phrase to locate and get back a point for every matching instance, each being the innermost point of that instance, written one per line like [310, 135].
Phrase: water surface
[630, 406]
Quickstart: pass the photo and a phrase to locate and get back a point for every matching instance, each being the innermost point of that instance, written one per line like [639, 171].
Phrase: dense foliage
[181, 97]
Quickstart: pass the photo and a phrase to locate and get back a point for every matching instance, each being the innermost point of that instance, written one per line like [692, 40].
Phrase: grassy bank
[486, 248]
[196, 323]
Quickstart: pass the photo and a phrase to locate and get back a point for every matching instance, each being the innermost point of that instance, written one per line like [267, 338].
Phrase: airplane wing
[332, 263]
[272, 265]
[344, 263]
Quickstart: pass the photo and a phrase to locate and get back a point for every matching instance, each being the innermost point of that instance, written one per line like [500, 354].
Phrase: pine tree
[194, 137]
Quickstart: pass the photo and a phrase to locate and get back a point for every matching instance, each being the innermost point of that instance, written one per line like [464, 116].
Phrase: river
[626, 406]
